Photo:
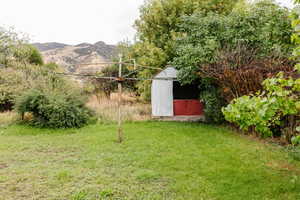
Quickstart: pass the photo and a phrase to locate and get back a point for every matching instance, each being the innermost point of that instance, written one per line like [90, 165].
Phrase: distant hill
[71, 56]
[49, 46]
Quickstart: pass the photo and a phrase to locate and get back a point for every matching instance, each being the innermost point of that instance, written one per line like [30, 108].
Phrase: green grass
[158, 160]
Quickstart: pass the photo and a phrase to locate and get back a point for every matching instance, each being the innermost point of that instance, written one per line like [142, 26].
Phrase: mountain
[49, 46]
[72, 57]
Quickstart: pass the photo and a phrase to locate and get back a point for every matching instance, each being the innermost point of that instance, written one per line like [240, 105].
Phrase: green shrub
[54, 109]
[213, 106]
[278, 106]
[294, 152]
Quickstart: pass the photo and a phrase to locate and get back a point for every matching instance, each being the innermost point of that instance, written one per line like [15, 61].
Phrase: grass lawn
[158, 160]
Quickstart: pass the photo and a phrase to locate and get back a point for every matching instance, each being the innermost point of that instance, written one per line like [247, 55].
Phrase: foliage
[11, 86]
[18, 60]
[145, 54]
[237, 72]
[17, 79]
[105, 86]
[15, 48]
[159, 19]
[296, 54]
[277, 109]
[157, 32]
[9, 40]
[27, 53]
[213, 105]
[54, 109]
[108, 86]
[264, 27]
[267, 110]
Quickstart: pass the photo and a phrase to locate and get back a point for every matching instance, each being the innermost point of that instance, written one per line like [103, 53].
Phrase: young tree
[15, 48]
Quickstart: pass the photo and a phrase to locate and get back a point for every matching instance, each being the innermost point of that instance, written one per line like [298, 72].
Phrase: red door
[188, 107]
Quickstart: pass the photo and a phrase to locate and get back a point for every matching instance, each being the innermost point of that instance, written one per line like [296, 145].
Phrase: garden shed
[171, 100]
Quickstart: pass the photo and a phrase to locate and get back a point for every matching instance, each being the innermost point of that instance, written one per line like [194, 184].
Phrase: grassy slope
[157, 161]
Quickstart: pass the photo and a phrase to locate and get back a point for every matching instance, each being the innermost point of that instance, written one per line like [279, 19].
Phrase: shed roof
[169, 72]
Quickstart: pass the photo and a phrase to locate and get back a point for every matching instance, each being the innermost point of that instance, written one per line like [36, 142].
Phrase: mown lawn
[158, 160]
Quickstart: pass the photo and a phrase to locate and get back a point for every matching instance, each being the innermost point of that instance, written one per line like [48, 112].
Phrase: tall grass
[106, 109]
[7, 118]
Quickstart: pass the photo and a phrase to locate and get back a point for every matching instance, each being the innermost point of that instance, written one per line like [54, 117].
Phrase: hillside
[72, 56]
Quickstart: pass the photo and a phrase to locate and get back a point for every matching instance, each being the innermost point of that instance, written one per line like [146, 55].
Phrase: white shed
[162, 93]
[169, 98]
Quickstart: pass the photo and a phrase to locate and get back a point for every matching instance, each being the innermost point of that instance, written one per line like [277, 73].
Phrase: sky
[75, 21]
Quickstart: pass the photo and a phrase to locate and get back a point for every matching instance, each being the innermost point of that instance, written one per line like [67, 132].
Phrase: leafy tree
[159, 19]
[157, 31]
[27, 53]
[9, 40]
[263, 28]
[15, 49]
[11, 86]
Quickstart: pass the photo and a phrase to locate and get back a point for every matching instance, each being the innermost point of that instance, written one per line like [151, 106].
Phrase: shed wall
[162, 98]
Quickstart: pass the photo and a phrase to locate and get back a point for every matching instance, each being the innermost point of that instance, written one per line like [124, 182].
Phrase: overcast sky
[74, 21]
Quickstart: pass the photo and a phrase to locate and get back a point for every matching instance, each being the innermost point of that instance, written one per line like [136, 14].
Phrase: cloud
[72, 21]
[75, 21]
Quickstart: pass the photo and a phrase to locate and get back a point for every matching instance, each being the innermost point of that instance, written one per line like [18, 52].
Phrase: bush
[278, 107]
[213, 105]
[294, 152]
[54, 109]
[237, 72]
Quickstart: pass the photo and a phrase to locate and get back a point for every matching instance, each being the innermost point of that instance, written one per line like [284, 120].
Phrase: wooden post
[134, 64]
[120, 134]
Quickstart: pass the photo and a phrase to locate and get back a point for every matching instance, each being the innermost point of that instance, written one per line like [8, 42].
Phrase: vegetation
[159, 160]
[213, 103]
[276, 110]
[11, 86]
[158, 30]
[106, 109]
[233, 53]
[54, 109]
[262, 30]
[14, 49]
[109, 86]
[32, 87]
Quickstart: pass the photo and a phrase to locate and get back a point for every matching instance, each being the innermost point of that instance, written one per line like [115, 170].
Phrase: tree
[264, 29]
[15, 49]
[159, 19]
[9, 40]
[27, 53]
[157, 31]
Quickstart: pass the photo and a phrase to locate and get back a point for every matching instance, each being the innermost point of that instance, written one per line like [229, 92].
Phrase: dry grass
[7, 118]
[107, 109]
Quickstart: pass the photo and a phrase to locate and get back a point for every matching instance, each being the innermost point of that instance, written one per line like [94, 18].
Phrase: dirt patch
[3, 166]
[284, 166]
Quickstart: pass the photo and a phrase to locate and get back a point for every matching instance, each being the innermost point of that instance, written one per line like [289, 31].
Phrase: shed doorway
[186, 100]
[172, 101]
